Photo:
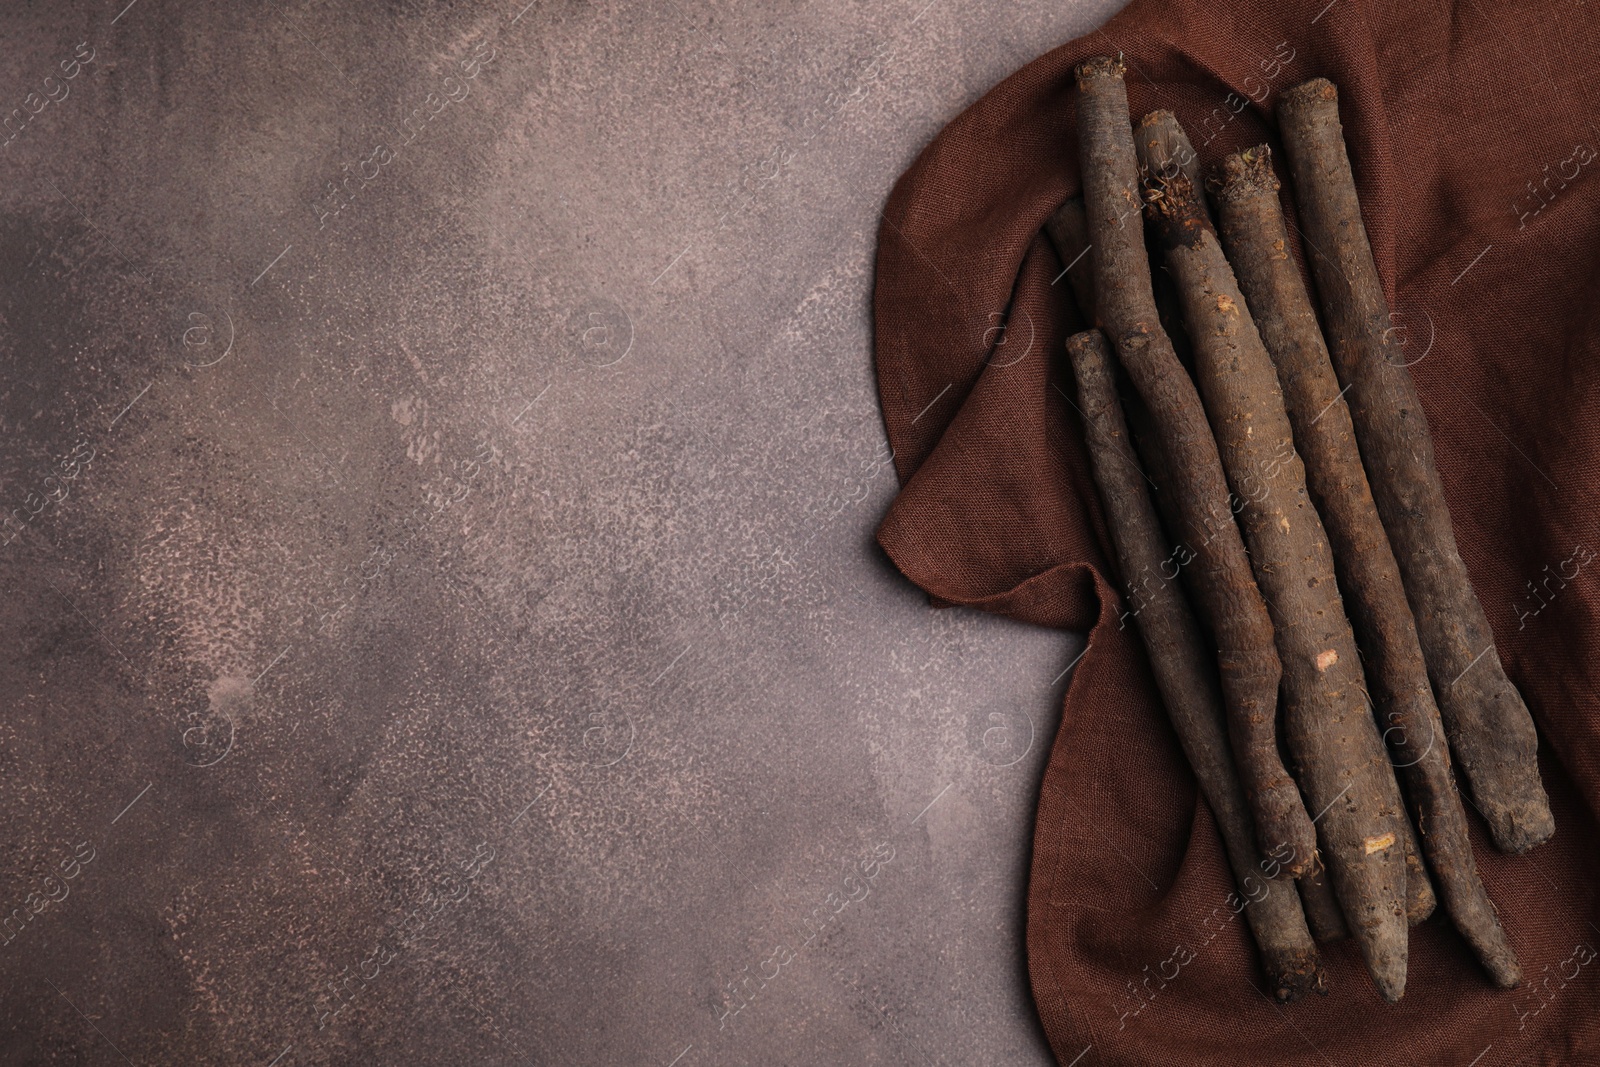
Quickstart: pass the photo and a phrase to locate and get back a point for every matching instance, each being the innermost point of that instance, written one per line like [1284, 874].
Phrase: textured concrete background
[442, 623]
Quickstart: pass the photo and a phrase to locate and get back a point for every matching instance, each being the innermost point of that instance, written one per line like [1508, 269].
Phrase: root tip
[1518, 830]
[1099, 67]
[1389, 975]
[1159, 117]
[1245, 173]
[1507, 974]
[1294, 974]
[1310, 90]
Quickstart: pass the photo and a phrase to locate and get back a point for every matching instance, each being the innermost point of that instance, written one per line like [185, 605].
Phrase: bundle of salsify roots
[1269, 466]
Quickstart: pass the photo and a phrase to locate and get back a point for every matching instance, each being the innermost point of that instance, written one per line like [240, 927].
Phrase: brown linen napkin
[1473, 133]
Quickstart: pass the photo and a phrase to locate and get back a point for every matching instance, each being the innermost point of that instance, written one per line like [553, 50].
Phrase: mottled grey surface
[442, 622]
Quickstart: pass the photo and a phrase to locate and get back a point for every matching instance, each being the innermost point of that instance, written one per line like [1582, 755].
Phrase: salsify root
[1256, 238]
[1184, 673]
[1331, 734]
[1229, 599]
[1323, 915]
[1068, 228]
[1488, 725]
[1420, 898]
